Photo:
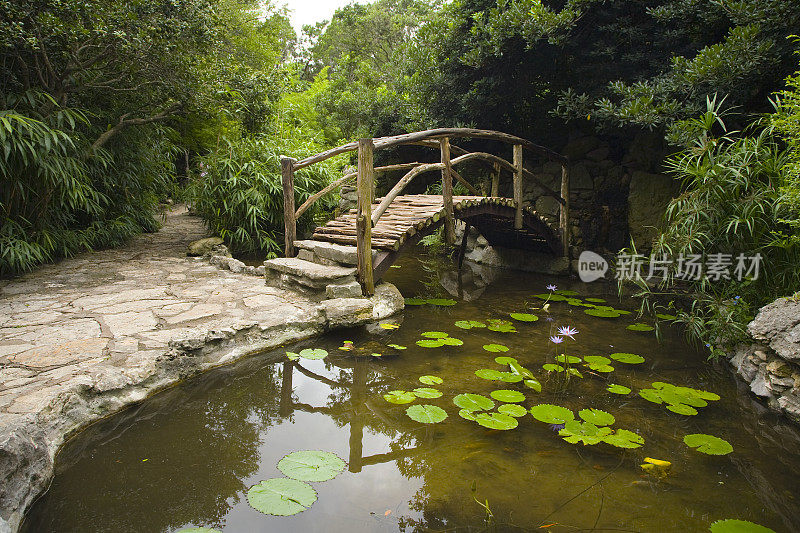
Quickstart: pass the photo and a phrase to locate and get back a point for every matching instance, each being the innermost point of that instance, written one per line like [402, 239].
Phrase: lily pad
[640, 327]
[467, 414]
[488, 373]
[553, 297]
[551, 414]
[598, 363]
[586, 432]
[311, 465]
[396, 346]
[451, 341]
[533, 384]
[313, 353]
[524, 317]
[292, 356]
[618, 389]
[508, 396]
[427, 414]
[473, 402]
[602, 313]
[431, 380]
[495, 348]
[430, 343]
[651, 395]
[504, 360]
[281, 496]
[682, 409]
[623, 438]
[427, 392]
[568, 359]
[512, 409]
[399, 396]
[496, 421]
[510, 377]
[596, 300]
[629, 358]
[596, 417]
[469, 324]
[434, 334]
[708, 444]
[551, 367]
[664, 316]
[441, 302]
[738, 526]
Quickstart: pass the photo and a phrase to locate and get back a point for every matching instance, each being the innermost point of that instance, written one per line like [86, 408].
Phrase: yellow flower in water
[390, 326]
[656, 467]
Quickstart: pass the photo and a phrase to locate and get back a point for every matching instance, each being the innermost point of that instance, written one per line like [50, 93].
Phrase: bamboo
[364, 186]
[518, 186]
[447, 193]
[289, 220]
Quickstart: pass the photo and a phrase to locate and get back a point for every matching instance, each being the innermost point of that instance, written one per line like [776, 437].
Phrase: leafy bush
[240, 195]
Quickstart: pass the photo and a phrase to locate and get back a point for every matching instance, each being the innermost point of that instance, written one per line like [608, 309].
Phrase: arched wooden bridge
[384, 226]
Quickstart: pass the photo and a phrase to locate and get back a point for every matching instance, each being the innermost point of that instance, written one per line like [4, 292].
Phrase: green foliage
[708, 444]
[311, 465]
[427, 414]
[738, 526]
[281, 496]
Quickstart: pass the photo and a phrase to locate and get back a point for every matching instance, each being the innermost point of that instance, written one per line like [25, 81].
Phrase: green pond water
[187, 456]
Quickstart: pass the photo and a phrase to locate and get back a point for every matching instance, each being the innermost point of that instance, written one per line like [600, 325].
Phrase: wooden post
[563, 223]
[364, 187]
[518, 186]
[289, 220]
[447, 193]
[496, 180]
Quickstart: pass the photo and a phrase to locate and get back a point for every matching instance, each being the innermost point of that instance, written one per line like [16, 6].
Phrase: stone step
[331, 252]
[292, 271]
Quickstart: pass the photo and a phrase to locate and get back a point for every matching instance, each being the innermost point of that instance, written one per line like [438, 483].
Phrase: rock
[790, 403]
[645, 152]
[579, 178]
[259, 270]
[759, 385]
[235, 266]
[523, 260]
[648, 197]
[203, 246]
[351, 289]
[547, 205]
[778, 324]
[341, 312]
[386, 301]
[578, 148]
[339, 253]
[598, 154]
[781, 369]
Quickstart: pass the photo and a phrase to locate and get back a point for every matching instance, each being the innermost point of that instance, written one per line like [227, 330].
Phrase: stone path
[91, 334]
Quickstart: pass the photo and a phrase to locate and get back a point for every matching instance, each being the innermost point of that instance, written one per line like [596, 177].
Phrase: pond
[187, 457]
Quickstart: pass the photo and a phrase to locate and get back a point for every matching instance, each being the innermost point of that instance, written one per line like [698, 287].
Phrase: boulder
[578, 148]
[778, 325]
[648, 197]
[203, 246]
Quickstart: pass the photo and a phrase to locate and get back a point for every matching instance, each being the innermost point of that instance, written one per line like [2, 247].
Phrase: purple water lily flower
[555, 339]
[551, 287]
[557, 427]
[567, 331]
[549, 318]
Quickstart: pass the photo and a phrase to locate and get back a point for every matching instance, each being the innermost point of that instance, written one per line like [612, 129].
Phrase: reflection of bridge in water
[358, 417]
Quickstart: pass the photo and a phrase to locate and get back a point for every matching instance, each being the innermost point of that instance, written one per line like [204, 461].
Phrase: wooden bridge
[380, 228]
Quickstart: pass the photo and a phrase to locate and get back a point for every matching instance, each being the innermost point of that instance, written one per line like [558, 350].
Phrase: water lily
[567, 331]
[551, 287]
[555, 339]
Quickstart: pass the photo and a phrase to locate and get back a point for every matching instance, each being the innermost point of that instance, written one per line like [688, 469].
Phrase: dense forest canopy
[109, 108]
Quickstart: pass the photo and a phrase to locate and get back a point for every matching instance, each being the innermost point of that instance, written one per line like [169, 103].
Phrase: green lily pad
[311, 465]
[510, 377]
[738, 526]
[706, 395]
[640, 327]
[469, 324]
[524, 317]
[313, 353]
[504, 360]
[512, 409]
[495, 348]
[430, 343]
[396, 346]
[586, 432]
[576, 301]
[434, 334]
[651, 395]
[551, 414]
[602, 313]
[623, 438]
[451, 341]
[427, 392]
[533, 384]
[488, 373]
[281, 496]
[292, 356]
[399, 396]
[596, 300]
[467, 414]
[416, 301]
[427, 414]
[551, 367]
[682, 409]
[441, 302]
[496, 421]
[502, 328]
[618, 389]
[473, 402]
[708, 444]
[431, 380]
[664, 316]
[568, 359]
[598, 363]
[553, 297]
[508, 396]
[629, 358]
[596, 417]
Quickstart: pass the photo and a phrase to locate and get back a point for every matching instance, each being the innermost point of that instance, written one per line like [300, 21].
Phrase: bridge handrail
[366, 219]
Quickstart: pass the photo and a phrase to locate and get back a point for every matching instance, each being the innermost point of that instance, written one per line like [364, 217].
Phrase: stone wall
[771, 364]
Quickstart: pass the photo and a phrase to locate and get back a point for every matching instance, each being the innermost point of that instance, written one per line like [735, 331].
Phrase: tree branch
[124, 122]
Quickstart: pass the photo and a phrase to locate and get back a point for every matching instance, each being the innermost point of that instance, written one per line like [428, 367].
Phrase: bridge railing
[439, 138]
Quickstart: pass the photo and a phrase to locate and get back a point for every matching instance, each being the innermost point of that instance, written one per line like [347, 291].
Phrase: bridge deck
[412, 215]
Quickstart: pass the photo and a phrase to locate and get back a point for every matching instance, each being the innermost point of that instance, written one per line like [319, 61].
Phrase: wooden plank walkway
[413, 214]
